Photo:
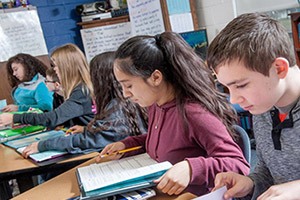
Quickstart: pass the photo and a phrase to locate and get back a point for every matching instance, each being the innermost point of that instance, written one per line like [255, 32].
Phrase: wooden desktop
[14, 166]
[65, 186]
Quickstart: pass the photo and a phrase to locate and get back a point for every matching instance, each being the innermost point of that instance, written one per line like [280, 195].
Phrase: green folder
[8, 132]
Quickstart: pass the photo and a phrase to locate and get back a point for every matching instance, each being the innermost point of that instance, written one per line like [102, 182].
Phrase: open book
[28, 139]
[119, 176]
[20, 144]
[42, 156]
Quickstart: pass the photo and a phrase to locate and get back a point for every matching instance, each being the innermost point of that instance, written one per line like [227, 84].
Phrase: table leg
[5, 191]
[25, 183]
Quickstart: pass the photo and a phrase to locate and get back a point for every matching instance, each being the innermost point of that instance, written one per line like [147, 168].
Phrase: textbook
[105, 179]
[43, 156]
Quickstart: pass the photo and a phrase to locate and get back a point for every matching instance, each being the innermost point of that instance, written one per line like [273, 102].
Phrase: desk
[14, 166]
[65, 186]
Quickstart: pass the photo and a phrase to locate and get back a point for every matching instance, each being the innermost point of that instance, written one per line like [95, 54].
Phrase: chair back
[243, 141]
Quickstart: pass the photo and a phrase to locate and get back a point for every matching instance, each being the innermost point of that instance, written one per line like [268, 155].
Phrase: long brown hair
[181, 67]
[73, 68]
[106, 88]
[31, 65]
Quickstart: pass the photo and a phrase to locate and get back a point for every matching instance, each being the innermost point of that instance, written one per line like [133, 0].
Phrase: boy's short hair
[51, 73]
[254, 39]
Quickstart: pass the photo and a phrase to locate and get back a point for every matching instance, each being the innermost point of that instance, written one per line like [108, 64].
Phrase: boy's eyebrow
[235, 82]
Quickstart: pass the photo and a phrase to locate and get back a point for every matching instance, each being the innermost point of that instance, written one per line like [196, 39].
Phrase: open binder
[119, 176]
[20, 143]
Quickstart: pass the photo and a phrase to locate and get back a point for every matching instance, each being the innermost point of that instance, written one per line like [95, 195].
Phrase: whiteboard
[21, 32]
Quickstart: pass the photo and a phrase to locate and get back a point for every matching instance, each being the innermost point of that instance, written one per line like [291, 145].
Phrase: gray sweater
[276, 166]
[116, 128]
[77, 110]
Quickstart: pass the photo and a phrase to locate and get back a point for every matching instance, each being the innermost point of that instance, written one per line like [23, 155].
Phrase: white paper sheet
[216, 195]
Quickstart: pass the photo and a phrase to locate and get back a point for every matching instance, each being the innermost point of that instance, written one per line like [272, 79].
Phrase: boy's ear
[281, 66]
[156, 77]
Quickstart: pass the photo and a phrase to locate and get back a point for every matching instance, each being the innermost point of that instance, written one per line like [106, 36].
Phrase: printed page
[42, 156]
[215, 195]
[96, 176]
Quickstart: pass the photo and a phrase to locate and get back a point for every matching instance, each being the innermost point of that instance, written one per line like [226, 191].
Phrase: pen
[66, 130]
[123, 151]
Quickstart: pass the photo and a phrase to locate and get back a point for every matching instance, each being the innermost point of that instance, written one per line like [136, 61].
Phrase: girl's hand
[111, 151]
[76, 129]
[10, 108]
[30, 149]
[6, 119]
[176, 179]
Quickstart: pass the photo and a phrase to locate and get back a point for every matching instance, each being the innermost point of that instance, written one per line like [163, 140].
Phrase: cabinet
[295, 20]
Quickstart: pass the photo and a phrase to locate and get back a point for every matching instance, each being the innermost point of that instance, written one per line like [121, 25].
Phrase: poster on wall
[145, 19]
[21, 32]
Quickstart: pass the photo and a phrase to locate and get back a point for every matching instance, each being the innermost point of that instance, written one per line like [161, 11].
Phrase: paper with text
[42, 156]
[215, 195]
[104, 174]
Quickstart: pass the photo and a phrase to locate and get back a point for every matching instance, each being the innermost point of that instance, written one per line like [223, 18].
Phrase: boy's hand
[110, 150]
[6, 118]
[176, 179]
[237, 185]
[30, 149]
[285, 191]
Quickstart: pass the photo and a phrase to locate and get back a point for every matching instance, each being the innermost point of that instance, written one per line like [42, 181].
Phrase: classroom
[83, 109]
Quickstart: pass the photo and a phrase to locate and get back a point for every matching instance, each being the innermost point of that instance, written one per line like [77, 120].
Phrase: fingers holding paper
[237, 185]
[111, 151]
[6, 119]
[30, 149]
[176, 179]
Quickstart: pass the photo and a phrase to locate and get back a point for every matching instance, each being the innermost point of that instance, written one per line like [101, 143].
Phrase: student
[26, 76]
[254, 58]
[189, 120]
[73, 72]
[116, 117]
[53, 85]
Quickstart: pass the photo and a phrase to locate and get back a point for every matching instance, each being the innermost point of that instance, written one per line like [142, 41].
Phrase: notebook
[105, 179]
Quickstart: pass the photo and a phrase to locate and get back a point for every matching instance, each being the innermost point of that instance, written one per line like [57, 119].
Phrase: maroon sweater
[207, 145]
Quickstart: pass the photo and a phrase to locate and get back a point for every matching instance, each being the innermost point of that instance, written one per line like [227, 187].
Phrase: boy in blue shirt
[254, 58]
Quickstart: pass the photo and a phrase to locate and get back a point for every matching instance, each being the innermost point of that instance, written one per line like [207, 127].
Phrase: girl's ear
[156, 78]
[281, 66]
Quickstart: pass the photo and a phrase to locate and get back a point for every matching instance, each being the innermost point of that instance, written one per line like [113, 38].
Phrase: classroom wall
[59, 21]
[215, 14]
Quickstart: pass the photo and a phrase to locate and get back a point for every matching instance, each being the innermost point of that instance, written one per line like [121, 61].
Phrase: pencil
[123, 151]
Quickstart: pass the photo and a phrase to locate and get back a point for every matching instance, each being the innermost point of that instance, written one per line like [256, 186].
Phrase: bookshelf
[295, 20]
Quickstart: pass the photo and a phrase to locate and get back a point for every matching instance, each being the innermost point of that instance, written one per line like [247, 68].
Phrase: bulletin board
[21, 32]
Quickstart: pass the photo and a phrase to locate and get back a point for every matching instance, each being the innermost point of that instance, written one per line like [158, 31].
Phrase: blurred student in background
[53, 85]
[26, 75]
[71, 67]
[190, 122]
[116, 117]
